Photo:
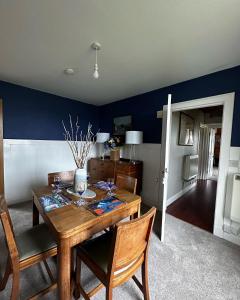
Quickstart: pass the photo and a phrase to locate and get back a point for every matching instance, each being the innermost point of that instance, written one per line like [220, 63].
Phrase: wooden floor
[197, 206]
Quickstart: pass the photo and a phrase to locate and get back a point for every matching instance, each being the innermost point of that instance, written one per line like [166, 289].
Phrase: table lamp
[133, 138]
[102, 137]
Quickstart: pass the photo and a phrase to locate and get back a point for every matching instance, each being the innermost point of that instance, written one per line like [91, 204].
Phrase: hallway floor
[197, 206]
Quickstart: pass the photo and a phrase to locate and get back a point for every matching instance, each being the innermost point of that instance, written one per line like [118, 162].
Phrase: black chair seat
[35, 240]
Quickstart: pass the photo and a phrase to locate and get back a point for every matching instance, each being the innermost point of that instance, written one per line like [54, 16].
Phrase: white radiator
[235, 208]
[190, 167]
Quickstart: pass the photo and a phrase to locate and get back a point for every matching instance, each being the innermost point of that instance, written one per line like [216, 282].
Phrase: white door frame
[227, 100]
[164, 161]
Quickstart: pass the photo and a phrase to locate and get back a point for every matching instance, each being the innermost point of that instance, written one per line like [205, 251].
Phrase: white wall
[150, 155]
[27, 163]
[177, 153]
[231, 229]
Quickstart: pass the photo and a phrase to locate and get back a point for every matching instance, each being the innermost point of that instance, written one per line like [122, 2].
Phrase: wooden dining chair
[24, 250]
[65, 176]
[114, 257]
[126, 183]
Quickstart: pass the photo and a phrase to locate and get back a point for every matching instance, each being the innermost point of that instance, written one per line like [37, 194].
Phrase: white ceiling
[146, 44]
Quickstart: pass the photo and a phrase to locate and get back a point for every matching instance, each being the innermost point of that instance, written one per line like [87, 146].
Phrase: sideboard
[100, 169]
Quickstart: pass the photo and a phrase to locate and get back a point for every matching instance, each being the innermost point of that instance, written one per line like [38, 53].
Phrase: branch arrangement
[79, 143]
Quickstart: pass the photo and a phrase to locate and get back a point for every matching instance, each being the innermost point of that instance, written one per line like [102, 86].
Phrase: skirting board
[180, 194]
[235, 239]
[231, 238]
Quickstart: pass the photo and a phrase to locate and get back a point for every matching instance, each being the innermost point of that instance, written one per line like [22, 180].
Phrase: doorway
[227, 101]
[192, 175]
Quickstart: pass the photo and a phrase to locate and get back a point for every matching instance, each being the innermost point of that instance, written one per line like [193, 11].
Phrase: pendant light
[96, 46]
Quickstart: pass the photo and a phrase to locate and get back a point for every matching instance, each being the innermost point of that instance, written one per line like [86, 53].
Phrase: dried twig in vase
[79, 143]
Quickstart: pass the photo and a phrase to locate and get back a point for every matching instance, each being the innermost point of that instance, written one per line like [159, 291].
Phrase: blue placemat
[50, 202]
[105, 205]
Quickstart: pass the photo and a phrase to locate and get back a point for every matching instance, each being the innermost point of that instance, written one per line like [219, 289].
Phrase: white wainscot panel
[150, 155]
[235, 153]
[27, 163]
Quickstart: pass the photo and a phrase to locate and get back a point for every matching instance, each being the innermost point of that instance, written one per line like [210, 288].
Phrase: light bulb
[95, 73]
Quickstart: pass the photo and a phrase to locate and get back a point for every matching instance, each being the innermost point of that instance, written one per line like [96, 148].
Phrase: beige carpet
[192, 264]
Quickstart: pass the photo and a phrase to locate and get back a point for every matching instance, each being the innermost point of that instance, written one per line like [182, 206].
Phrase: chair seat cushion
[98, 250]
[34, 241]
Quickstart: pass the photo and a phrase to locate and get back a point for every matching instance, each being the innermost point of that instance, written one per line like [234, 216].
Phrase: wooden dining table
[72, 225]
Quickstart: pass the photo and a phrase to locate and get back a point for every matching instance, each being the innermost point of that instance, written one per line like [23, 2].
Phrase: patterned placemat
[50, 202]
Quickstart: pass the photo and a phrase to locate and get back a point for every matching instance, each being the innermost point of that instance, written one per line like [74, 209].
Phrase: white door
[165, 151]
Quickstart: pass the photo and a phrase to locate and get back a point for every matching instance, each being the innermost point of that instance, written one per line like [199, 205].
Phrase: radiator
[190, 170]
[235, 207]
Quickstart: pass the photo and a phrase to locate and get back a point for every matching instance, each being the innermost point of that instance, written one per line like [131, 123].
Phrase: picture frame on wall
[121, 125]
[186, 130]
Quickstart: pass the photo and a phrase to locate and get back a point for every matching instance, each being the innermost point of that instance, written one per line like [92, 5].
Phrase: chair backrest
[65, 176]
[130, 244]
[8, 230]
[127, 183]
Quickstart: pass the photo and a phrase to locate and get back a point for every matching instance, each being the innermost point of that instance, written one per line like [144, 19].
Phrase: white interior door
[165, 151]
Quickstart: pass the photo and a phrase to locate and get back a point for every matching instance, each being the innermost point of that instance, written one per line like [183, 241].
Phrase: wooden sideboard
[103, 169]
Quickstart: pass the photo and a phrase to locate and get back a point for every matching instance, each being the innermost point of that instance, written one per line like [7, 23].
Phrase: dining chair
[65, 176]
[115, 256]
[127, 183]
[24, 250]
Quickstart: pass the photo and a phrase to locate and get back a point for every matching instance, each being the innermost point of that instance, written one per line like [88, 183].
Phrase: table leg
[64, 270]
[35, 214]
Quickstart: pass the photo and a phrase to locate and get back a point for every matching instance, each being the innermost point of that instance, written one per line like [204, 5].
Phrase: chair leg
[108, 293]
[145, 280]
[78, 278]
[15, 285]
[6, 276]
[78, 289]
[48, 271]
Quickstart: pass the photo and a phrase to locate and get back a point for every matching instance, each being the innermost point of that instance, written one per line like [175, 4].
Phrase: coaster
[88, 194]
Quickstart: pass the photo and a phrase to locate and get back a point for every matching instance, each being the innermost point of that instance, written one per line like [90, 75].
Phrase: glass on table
[110, 183]
[82, 186]
[80, 202]
[56, 184]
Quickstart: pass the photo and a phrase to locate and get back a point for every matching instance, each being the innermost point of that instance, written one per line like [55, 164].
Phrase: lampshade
[102, 137]
[134, 137]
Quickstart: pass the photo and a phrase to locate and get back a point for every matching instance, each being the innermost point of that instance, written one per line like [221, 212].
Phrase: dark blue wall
[143, 107]
[31, 114]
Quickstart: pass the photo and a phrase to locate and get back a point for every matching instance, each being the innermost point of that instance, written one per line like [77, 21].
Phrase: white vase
[80, 180]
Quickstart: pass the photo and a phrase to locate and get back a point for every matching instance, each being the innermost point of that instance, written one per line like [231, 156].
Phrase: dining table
[72, 225]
